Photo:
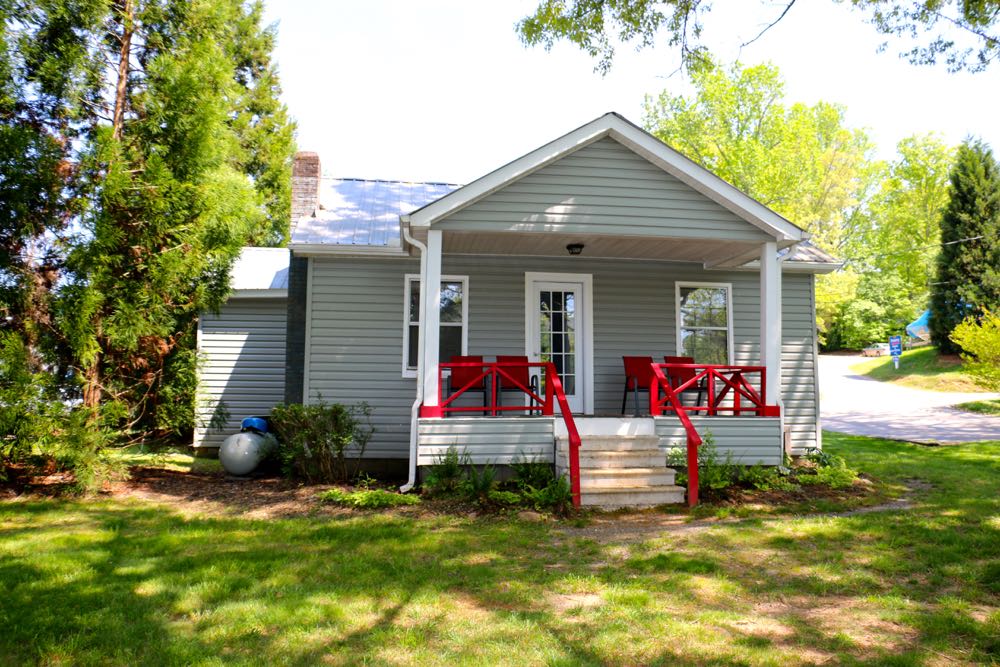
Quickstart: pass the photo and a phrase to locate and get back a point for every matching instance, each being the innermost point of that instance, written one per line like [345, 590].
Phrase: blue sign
[895, 345]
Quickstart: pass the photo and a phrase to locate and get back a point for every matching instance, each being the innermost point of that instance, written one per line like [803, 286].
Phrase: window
[454, 315]
[704, 322]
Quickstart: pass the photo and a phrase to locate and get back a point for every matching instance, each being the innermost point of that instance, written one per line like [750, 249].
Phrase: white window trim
[729, 315]
[408, 280]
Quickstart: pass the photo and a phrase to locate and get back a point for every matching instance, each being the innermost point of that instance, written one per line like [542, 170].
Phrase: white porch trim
[770, 320]
[430, 295]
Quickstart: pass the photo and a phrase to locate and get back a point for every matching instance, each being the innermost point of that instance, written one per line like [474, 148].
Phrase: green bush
[764, 478]
[536, 474]
[480, 483]
[316, 441]
[980, 340]
[833, 473]
[447, 474]
[556, 496]
[509, 498]
[367, 498]
[715, 473]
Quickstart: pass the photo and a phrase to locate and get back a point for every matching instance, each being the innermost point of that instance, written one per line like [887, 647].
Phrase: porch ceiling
[704, 251]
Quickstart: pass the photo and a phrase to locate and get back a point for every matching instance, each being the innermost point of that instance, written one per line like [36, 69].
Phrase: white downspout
[411, 479]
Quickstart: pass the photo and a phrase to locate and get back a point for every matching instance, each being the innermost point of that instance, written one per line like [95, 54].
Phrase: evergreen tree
[968, 268]
[149, 146]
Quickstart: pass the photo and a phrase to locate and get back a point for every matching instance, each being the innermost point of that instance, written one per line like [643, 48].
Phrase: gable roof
[639, 141]
[356, 212]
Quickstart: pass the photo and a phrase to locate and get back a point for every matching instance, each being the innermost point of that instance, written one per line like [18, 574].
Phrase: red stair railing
[703, 378]
[492, 372]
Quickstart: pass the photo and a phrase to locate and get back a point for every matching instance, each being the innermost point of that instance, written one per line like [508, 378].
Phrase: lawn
[920, 368]
[130, 582]
[987, 407]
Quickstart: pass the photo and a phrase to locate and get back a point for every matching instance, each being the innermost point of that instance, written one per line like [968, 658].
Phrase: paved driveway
[854, 404]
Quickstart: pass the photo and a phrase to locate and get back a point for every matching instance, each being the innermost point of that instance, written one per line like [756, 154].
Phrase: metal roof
[361, 212]
[807, 252]
[260, 269]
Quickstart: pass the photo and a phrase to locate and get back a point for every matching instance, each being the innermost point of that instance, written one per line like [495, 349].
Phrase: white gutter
[411, 480]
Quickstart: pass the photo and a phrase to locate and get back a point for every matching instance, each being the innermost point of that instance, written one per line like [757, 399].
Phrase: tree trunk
[92, 384]
[121, 89]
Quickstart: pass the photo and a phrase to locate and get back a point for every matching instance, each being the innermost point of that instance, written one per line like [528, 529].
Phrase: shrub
[505, 498]
[834, 473]
[316, 440]
[764, 478]
[446, 475]
[367, 498]
[536, 474]
[980, 339]
[480, 483]
[715, 473]
[555, 496]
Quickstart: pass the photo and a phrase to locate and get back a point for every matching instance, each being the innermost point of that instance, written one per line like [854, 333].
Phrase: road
[852, 403]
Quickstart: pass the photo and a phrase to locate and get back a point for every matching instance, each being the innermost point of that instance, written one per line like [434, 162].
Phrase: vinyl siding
[750, 440]
[243, 368]
[498, 441]
[355, 340]
[603, 188]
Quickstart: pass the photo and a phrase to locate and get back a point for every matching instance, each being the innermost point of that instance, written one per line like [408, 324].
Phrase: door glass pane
[557, 331]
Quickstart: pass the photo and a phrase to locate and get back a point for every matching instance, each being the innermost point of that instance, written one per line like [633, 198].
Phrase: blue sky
[443, 90]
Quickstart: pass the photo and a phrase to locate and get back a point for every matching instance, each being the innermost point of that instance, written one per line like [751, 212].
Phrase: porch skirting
[502, 440]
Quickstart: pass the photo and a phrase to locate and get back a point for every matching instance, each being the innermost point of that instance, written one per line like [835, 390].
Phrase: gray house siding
[243, 369]
[355, 330]
[603, 188]
[750, 440]
[499, 441]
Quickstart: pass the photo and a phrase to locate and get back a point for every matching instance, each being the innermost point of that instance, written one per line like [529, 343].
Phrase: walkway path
[852, 403]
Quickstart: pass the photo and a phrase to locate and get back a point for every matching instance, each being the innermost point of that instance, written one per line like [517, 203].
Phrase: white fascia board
[642, 143]
[795, 267]
[326, 249]
[259, 294]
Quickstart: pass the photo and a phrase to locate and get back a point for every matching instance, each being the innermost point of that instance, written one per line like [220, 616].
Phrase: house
[602, 244]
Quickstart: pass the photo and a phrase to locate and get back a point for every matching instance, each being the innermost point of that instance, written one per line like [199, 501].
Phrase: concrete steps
[621, 471]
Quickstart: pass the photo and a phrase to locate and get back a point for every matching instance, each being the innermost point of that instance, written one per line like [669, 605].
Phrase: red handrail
[659, 381]
[733, 379]
[494, 370]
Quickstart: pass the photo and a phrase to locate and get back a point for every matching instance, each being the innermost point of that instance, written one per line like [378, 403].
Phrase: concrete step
[638, 458]
[615, 478]
[611, 443]
[632, 497]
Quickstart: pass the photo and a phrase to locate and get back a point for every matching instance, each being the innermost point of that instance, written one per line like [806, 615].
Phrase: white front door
[558, 331]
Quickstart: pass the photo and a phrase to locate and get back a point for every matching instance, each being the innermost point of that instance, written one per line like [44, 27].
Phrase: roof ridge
[388, 180]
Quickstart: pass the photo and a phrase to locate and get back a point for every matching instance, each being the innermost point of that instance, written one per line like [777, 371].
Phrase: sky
[443, 90]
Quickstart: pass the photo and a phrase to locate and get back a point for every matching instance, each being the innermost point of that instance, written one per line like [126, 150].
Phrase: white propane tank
[242, 452]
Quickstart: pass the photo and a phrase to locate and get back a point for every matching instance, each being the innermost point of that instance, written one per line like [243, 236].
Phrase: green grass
[171, 458]
[987, 407]
[921, 368]
[104, 581]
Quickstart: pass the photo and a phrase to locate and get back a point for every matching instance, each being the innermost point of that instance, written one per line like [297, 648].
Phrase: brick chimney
[305, 184]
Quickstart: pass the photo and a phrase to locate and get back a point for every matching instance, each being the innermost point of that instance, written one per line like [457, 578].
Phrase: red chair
[679, 376]
[463, 376]
[638, 375]
[520, 374]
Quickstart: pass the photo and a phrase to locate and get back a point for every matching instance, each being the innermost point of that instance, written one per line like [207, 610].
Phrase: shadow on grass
[126, 583]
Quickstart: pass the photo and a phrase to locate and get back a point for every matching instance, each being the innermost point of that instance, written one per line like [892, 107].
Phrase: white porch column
[770, 319]
[430, 293]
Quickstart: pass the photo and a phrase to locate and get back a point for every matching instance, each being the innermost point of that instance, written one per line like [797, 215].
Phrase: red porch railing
[493, 373]
[703, 378]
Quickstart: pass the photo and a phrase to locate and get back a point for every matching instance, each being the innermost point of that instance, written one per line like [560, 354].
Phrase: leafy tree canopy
[964, 34]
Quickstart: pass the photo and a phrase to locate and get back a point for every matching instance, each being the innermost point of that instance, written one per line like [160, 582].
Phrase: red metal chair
[463, 376]
[638, 375]
[518, 373]
[679, 376]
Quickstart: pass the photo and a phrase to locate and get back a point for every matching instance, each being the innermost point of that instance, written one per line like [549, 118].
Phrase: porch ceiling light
[574, 248]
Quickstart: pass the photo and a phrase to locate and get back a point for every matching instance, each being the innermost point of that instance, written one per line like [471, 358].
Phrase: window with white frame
[704, 322]
[454, 317]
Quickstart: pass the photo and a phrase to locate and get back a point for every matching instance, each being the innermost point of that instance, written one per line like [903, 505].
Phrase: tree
[148, 146]
[979, 337]
[968, 267]
[970, 41]
[802, 161]
[901, 232]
